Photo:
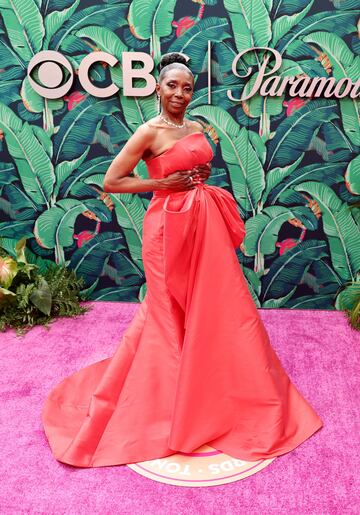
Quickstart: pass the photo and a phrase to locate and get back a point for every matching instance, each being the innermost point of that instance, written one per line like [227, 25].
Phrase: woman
[195, 366]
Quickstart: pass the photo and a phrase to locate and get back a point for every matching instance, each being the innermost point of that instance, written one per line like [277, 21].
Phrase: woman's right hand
[180, 180]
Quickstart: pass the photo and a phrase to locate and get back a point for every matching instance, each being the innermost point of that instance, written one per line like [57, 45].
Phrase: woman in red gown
[195, 366]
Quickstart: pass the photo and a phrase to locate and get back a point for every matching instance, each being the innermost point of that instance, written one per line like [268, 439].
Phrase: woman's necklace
[171, 123]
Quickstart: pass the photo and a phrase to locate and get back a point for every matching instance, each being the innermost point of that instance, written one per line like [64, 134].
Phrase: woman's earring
[158, 103]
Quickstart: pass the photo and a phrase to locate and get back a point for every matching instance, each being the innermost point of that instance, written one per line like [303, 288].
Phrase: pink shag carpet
[319, 351]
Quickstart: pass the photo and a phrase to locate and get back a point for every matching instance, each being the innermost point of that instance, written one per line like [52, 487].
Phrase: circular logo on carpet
[205, 466]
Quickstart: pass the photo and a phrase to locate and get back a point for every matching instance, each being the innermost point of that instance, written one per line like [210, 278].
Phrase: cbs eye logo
[51, 75]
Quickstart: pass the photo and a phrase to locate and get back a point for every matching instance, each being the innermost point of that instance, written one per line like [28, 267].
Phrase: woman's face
[175, 90]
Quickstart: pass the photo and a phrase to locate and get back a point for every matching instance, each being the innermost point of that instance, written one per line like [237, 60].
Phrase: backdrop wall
[291, 163]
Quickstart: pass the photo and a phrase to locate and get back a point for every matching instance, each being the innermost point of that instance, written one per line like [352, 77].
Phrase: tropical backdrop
[292, 164]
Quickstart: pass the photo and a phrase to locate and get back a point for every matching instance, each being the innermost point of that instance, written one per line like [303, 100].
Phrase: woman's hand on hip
[202, 172]
[180, 180]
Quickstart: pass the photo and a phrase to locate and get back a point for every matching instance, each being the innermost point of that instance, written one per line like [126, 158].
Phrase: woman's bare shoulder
[197, 125]
[150, 130]
[146, 128]
[152, 124]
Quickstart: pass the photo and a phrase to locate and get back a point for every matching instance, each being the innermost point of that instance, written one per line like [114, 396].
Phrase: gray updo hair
[173, 60]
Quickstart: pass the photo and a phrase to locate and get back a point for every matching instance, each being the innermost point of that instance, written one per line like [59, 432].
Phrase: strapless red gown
[195, 366]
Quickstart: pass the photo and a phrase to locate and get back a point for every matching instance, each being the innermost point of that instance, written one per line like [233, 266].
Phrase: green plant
[29, 298]
[348, 300]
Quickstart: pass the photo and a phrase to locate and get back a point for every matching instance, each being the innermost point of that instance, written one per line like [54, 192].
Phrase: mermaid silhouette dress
[195, 366]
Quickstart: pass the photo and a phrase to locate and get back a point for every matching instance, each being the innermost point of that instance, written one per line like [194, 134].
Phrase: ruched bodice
[194, 149]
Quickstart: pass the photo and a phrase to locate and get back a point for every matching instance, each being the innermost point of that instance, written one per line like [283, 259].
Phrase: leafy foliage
[29, 298]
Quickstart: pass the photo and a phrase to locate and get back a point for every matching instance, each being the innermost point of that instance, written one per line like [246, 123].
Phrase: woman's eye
[173, 85]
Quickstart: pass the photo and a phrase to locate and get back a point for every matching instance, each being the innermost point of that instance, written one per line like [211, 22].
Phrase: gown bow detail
[186, 217]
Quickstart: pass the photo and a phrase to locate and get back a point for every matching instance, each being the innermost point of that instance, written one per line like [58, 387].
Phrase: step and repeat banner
[276, 88]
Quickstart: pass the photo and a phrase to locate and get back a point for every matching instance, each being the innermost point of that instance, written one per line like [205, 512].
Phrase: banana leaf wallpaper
[292, 164]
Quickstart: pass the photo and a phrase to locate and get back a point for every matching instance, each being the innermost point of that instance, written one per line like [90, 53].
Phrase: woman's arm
[117, 178]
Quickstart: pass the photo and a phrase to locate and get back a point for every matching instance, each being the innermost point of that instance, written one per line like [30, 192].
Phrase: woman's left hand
[202, 172]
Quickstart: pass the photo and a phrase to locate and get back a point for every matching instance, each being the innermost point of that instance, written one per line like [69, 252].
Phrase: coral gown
[195, 366]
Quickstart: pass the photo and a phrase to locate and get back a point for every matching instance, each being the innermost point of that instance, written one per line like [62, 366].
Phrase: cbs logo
[50, 74]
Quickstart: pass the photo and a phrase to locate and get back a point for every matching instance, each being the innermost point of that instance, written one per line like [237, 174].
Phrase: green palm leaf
[268, 4]
[259, 105]
[284, 24]
[352, 176]
[111, 16]
[287, 270]
[137, 110]
[64, 169]
[346, 4]
[224, 53]
[68, 181]
[345, 64]
[341, 22]
[339, 226]
[288, 7]
[325, 274]
[9, 91]
[16, 229]
[78, 127]
[88, 261]
[262, 230]
[55, 226]
[34, 102]
[328, 173]
[53, 5]
[95, 205]
[336, 140]
[130, 212]
[152, 19]
[251, 23]
[323, 300]
[7, 174]
[24, 26]
[194, 41]
[253, 283]
[117, 129]
[277, 175]
[34, 166]
[8, 57]
[294, 133]
[125, 293]
[122, 262]
[21, 203]
[266, 106]
[55, 20]
[218, 94]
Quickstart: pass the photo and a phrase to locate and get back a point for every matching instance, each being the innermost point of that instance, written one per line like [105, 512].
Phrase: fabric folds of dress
[195, 366]
[185, 216]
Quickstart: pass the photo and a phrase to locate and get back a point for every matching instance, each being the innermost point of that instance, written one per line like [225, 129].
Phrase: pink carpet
[319, 351]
